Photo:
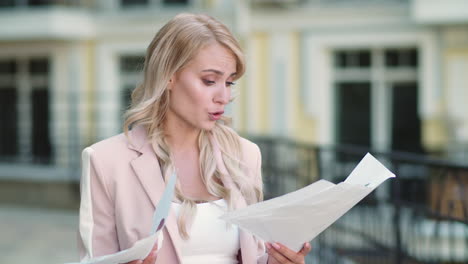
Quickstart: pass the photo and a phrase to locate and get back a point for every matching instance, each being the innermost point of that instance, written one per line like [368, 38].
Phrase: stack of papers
[142, 248]
[298, 217]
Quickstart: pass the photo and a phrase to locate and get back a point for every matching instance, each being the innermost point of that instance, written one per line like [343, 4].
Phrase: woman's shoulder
[111, 145]
[112, 149]
[248, 146]
[250, 152]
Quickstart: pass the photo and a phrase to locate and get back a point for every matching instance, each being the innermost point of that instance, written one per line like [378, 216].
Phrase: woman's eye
[208, 82]
[228, 84]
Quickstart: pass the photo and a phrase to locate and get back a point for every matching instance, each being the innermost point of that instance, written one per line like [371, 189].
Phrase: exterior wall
[288, 87]
[257, 85]
[311, 40]
[304, 124]
[456, 89]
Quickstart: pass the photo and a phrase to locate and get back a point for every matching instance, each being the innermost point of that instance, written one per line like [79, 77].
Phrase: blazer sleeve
[97, 232]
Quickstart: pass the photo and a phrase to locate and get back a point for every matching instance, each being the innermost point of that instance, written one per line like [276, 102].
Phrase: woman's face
[201, 90]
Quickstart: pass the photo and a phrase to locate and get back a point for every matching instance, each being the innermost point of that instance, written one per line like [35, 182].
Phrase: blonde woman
[176, 123]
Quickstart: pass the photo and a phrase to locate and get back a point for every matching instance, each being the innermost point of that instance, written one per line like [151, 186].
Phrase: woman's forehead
[214, 58]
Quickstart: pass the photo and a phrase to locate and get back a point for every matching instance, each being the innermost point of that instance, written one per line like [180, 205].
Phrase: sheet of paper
[298, 217]
[142, 248]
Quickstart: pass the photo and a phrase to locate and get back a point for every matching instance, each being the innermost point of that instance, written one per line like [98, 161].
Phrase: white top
[212, 241]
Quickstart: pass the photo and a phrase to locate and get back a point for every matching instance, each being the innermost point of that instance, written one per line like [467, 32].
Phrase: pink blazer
[121, 184]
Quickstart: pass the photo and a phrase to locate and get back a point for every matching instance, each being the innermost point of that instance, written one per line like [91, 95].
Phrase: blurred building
[387, 74]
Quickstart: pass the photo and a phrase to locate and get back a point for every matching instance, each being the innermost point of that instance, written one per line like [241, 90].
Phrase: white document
[142, 248]
[298, 217]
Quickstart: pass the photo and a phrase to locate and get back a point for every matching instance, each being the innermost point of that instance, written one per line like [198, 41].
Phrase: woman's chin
[209, 126]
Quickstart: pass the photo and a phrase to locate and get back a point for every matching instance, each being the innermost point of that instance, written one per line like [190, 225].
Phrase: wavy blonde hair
[172, 48]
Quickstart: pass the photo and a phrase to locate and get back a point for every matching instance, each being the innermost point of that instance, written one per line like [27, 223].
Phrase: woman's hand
[150, 259]
[280, 254]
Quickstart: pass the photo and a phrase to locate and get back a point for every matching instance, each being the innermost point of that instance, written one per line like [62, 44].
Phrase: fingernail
[268, 245]
[276, 246]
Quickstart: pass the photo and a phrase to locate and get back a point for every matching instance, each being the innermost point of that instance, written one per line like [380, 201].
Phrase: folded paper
[299, 216]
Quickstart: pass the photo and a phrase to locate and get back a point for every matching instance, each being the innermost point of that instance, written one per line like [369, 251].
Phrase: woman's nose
[223, 95]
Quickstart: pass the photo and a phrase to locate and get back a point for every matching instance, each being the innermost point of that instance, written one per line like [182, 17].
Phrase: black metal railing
[419, 217]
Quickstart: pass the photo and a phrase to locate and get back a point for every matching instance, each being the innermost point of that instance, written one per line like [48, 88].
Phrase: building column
[280, 110]
[106, 93]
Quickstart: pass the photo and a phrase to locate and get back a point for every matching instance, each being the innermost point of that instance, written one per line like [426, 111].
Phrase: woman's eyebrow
[218, 72]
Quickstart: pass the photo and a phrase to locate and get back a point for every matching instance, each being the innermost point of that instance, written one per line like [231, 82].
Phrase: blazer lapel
[148, 172]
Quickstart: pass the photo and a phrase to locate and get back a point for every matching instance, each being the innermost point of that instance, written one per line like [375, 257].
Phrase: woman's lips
[216, 115]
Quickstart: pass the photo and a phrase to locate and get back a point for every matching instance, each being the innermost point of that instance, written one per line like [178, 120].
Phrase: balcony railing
[419, 217]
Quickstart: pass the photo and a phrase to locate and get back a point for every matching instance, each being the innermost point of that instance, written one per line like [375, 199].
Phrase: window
[126, 3]
[38, 3]
[354, 58]
[401, 58]
[39, 98]
[24, 110]
[175, 2]
[131, 69]
[353, 103]
[130, 3]
[376, 93]
[8, 111]
[41, 2]
[7, 3]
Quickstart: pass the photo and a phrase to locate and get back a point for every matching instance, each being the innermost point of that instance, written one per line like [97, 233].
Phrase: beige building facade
[391, 75]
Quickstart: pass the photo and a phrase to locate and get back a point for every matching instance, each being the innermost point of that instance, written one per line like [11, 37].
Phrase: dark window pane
[391, 58]
[407, 57]
[353, 113]
[413, 58]
[8, 118]
[132, 63]
[39, 66]
[175, 2]
[8, 67]
[133, 2]
[126, 98]
[42, 2]
[7, 3]
[40, 126]
[364, 59]
[340, 59]
[406, 125]
[352, 59]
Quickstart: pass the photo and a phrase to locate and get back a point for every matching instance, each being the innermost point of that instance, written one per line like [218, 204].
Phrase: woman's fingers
[276, 255]
[283, 254]
[305, 249]
[150, 259]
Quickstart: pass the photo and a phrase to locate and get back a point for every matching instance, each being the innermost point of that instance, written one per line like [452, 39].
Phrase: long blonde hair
[175, 44]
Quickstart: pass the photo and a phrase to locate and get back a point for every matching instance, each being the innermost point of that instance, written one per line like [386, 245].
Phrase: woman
[177, 123]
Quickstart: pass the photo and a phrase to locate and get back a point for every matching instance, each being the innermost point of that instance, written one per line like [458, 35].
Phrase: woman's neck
[181, 138]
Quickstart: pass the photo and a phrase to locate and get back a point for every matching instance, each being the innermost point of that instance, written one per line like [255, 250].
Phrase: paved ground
[39, 236]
